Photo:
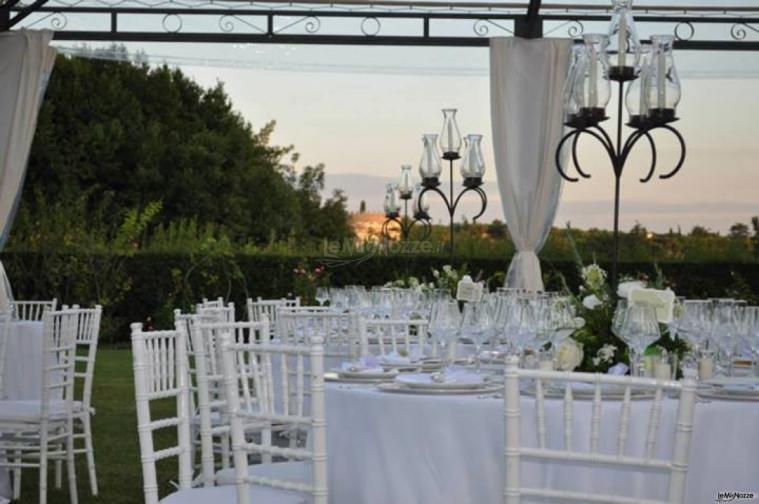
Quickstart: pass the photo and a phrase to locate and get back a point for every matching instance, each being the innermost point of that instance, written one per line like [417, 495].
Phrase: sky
[362, 111]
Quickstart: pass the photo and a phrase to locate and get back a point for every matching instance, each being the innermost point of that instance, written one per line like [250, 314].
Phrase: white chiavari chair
[87, 336]
[212, 303]
[675, 467]
[39, 431]
[339, 331]
[160, 374]
[211, 398]
[87, 333]
[250, 370]
[261, 308]
[32, 310]
[382, 336]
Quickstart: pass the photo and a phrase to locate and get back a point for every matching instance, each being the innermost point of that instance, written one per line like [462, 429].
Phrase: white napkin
[366, 364]
[618, 369]
[414, 355]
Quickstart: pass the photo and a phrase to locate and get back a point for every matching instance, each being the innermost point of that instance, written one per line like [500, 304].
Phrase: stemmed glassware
[639, 329]
[444, 327]
[322, 295]
[476, 325]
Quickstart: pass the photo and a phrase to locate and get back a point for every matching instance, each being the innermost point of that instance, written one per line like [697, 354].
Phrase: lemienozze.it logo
[736, 496]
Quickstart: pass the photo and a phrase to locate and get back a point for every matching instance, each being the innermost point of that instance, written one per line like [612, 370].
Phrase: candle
[705, 368]
[663, 371]
[648, 366]
[622, 53]
[661, 97]
[593, 91]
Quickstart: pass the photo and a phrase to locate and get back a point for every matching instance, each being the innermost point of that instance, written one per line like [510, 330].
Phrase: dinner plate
[365, 375]
[336, 378]
[399, 388]
[425, 381]
[587, 392]
[723, 394]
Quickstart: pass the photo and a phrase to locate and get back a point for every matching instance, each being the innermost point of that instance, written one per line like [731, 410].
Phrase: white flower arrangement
[593, 276]
[604, 355]
[570, 355]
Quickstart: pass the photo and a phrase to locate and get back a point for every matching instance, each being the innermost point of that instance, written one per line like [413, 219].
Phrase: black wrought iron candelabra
[451, 200]
[405, 222]
[587, 122]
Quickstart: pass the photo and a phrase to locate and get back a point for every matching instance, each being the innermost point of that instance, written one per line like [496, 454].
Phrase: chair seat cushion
[289, 471]
[30, 410]
[228, 495]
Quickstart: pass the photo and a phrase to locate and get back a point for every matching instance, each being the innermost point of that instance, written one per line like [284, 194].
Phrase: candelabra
[653, 92]
[472, 167]
[404, 191]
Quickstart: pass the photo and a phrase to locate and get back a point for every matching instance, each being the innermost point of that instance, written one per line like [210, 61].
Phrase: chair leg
[71, 465]
[17, 477]
[90, 452]
[58, 472]
[43, 466]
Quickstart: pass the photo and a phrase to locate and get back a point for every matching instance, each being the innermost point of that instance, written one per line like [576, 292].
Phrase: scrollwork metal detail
[311, 24]
[370, 26]
[481, 28]
[168, 19]
[227, 23]
[575, 28]
[684, 25]
[739, 31]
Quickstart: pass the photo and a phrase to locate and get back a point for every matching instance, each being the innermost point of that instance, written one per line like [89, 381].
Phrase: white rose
[594, 276]
[625, 288]
[570, 355]
[590, 302]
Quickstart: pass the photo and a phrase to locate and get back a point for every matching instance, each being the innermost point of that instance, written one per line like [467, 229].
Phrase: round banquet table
[22, 375]
[389, 447]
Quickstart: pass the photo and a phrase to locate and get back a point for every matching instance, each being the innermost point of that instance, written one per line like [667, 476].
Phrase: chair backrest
[249, 371]
[268, 308]
[160, 373]
[392, 335]
[212, 303]
[87, 335]
[676, 466]
[220, 313]
[58, 361]
[5, 327]
[339, 331]
[211, 398]
[32, 310]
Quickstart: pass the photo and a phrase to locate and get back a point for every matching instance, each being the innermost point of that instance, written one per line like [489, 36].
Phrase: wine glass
[639, 330]
[476, 325]
[322, 295]
[444, 327]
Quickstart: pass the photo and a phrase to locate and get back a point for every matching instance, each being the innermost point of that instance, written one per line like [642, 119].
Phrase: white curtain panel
[26, 60]
[526, 80]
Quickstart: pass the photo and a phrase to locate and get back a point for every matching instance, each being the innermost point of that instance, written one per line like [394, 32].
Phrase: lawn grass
[117, 450]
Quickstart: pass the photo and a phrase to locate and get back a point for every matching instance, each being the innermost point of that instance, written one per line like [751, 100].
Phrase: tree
[739, 231]
[497, 230]
[755, 236]
[362, 207]
[121, 135]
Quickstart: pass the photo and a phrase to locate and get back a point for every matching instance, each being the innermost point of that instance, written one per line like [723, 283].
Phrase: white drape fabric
[26, 60]
[526, 80]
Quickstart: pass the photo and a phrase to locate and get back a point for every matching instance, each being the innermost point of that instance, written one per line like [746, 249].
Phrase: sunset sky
[362, 110]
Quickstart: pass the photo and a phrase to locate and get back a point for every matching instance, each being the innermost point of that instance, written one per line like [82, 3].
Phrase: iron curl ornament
[647, 85]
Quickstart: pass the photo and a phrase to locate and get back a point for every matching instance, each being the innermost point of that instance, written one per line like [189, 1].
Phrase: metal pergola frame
[301, 23]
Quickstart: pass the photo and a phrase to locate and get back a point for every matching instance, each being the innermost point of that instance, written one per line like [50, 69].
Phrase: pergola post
[531, 25]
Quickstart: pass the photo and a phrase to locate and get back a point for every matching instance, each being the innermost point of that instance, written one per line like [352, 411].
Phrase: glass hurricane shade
[429, 165]
[636, 97]
[623, 48]
[405, 185]
[421, 205]
[392, 201]
[450, 136]
[663, 85]
[592, 90]
[570, 104]
[472, 162]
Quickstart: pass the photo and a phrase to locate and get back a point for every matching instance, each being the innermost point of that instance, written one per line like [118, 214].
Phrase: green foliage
[113, 137]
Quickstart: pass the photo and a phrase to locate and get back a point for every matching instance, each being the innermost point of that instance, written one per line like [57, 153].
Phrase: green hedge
[147, 287]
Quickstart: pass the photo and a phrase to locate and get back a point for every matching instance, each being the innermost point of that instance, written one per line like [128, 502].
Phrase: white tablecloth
[22, 376]
[385, 447]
